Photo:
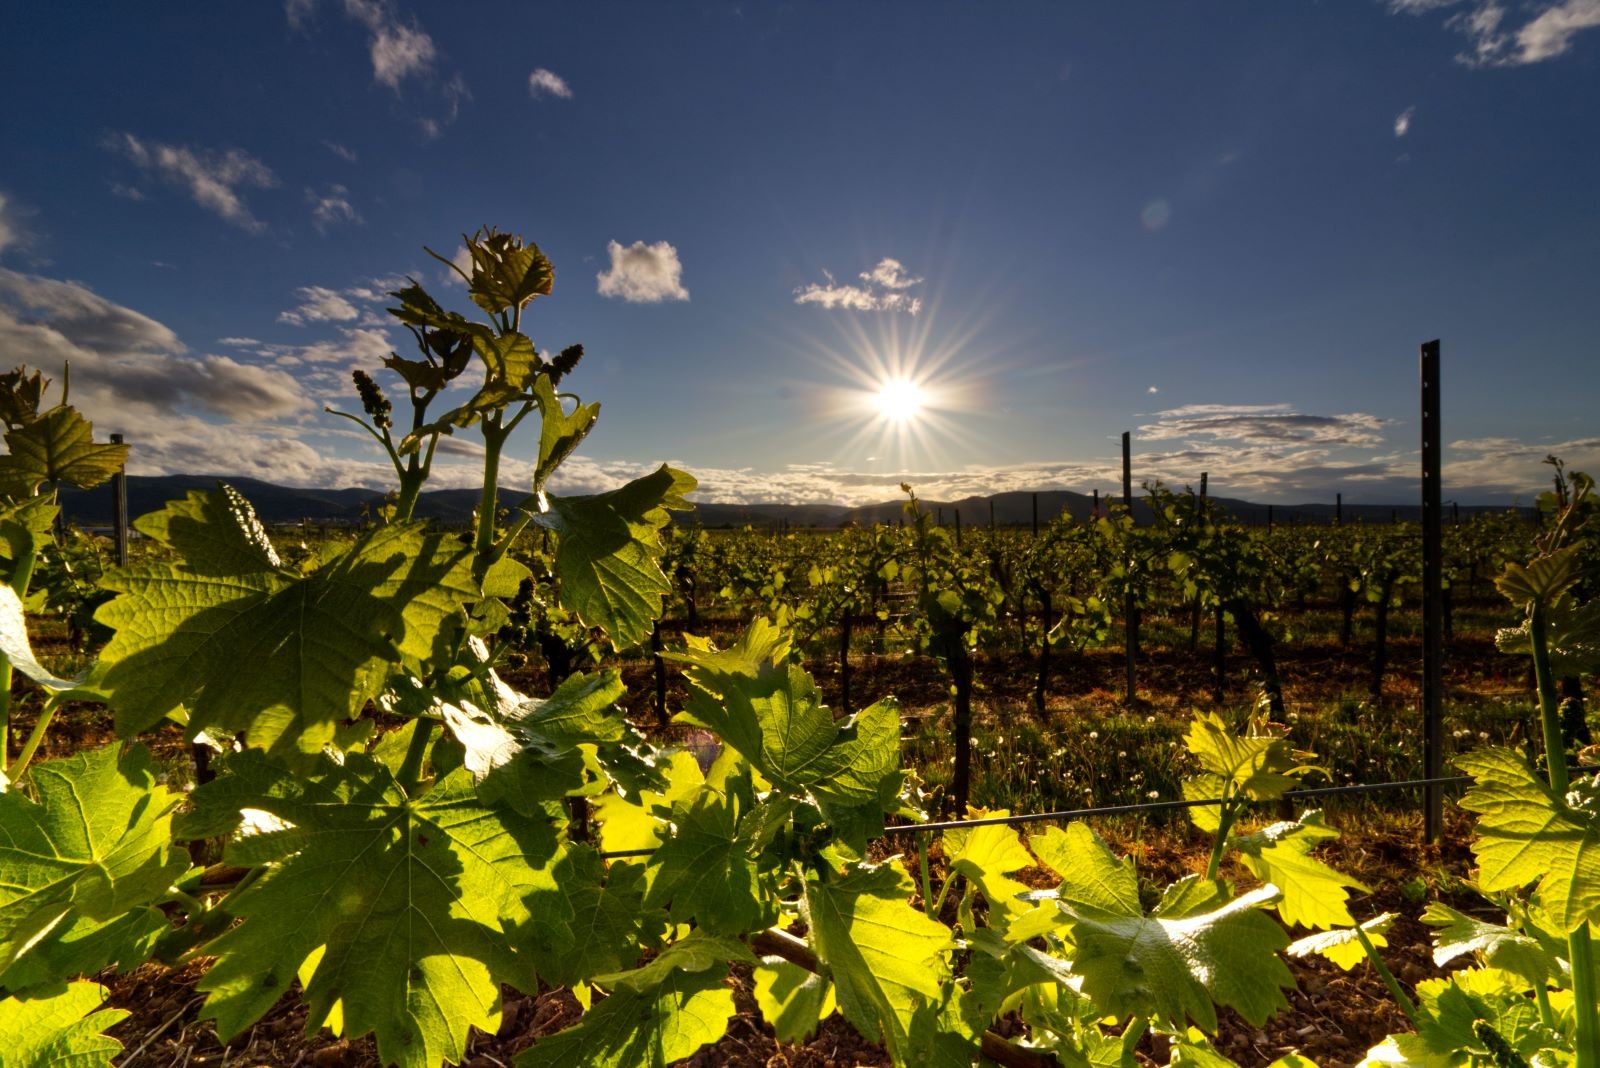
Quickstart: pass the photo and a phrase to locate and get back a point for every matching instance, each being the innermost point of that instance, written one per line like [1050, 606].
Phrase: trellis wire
[1144, 806]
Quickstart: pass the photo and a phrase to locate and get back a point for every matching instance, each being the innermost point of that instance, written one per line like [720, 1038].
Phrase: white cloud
[1153, 389]
[1263, 423]
[1402, 121]
[890, 274]
[1418, 7]
[1547, 28]
[318, 304]
[882, 290]
[643, 274]
[1551, 33]
[355, 346]
[330, 207]
[344, 153]
[463, 261]
[126, 365]
[10, 232]
[398, 49]
[544, 82]
[1508, 466]
[212, 179]
[127, 192]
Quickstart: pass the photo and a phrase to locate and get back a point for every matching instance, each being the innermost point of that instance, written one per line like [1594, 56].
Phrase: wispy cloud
[400, 51]
[213, 179]
[1402, 121]
[543, 82]
[1262, 423]
[883, 289]
[11, 234]
[1511, 466]
[319, 304]
[642, 273]
[343, 152]
[352, 346]
[331, 207]
[1538, 31]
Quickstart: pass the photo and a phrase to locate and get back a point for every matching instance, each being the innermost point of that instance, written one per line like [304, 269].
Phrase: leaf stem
[1580, 949]
[1407, 1006]
[35, 736]
[494, 439]
[411, 768]
[1230, 812]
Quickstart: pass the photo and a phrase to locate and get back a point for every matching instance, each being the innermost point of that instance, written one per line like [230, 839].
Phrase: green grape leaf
[527, 751]
[1528, 835]
[57, 447]
[696, 952]
[1173, 969]
[560, 432]
[771, 712]
[1091, 877]
[705, 871]
[627, 824]
[391, 909]
[641, 1030]
[97, 844]
[15, 648]
[493, 395]
[1314, 895]
[608, 922]
[216, 533]
[609, 553]
[1500, 947]
[1542, 579]
[245, 645]
[987, 856]
[62, 1029]
[1342, 945]
[1258, 766]
[1454, 1006]
[80, 946]
[506, 273]
[886, 959]
[793, 1000]
[510, 357]
[1572, 637]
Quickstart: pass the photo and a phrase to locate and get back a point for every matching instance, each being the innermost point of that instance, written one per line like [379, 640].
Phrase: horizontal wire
[1144, 806]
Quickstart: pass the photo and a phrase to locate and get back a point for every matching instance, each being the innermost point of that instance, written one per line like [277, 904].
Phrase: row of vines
[393, 831]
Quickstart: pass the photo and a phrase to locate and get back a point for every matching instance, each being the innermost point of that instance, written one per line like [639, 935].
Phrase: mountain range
[279, 505]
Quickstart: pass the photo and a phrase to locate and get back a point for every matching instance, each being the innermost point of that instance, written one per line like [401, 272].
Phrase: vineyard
[589, 785]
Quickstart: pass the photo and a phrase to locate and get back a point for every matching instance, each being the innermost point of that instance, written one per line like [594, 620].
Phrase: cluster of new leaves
[48, 447]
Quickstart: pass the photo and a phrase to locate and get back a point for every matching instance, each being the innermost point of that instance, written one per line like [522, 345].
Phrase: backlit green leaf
[391, 909]
[61, 1029]
[1526, 835]
[886, 959]
[58, 447]
[246, 645]
[608, 556]
[1314, 895]
[96, 844]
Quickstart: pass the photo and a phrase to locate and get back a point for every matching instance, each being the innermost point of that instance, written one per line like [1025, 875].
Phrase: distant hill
[279, 505]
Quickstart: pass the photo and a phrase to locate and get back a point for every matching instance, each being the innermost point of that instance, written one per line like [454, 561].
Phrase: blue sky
[1225, 227]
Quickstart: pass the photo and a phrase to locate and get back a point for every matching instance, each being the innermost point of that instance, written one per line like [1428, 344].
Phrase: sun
[900, 400]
